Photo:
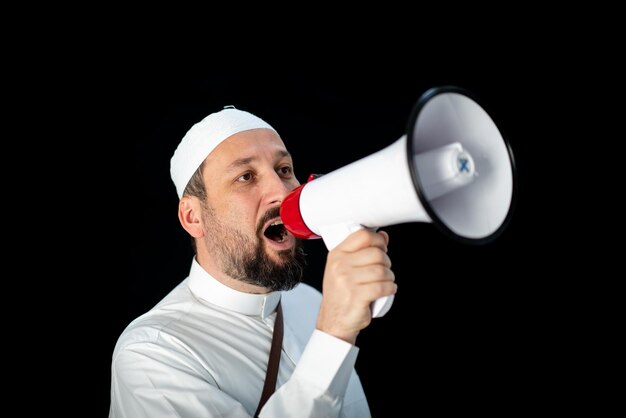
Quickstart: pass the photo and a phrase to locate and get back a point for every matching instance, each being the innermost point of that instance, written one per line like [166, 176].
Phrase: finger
[373, 291]
[361, 239]
[369, 256]
[372, 274]
[385, 236]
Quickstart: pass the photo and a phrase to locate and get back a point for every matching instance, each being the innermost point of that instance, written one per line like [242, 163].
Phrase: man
[203, 350]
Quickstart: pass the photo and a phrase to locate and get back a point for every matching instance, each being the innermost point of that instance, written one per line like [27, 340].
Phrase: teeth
[276, 223]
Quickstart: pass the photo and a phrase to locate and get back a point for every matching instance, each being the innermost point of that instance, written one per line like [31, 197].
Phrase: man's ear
[190, 216]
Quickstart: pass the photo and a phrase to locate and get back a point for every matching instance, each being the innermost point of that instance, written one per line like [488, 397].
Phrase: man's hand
[358, 271]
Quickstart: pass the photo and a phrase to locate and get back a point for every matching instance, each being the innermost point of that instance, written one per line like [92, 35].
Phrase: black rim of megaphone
[421, 102]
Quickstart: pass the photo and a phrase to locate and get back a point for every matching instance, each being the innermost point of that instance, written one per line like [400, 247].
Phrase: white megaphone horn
[452, 168]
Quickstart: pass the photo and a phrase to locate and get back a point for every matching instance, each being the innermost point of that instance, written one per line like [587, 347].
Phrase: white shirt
[203, 351]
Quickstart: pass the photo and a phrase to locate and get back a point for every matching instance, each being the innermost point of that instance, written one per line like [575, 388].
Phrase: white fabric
[203, 137]
[203, 352]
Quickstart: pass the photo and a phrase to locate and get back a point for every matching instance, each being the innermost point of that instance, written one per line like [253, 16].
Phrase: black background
[95, 102]
[473, 328]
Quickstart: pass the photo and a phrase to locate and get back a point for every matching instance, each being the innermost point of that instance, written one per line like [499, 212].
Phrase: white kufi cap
[203, 137]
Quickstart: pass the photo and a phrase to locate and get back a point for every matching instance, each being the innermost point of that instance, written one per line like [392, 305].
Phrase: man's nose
[276, 189]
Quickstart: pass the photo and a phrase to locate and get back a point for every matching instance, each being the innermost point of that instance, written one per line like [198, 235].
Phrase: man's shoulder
[151, 326]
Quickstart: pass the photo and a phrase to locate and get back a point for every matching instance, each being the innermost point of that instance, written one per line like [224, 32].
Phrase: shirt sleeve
[319, 382]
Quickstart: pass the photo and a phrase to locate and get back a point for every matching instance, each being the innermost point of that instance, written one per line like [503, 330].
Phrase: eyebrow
[247, 160]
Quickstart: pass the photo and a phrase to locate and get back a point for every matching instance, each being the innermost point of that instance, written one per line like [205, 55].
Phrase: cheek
[241, 215]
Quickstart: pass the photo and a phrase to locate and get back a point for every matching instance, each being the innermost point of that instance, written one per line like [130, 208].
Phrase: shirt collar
[207, 288]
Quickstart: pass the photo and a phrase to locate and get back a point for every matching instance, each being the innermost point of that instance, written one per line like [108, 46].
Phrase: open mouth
[276, 231]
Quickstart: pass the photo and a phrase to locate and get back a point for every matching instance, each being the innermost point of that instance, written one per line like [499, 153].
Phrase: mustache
[270, 214]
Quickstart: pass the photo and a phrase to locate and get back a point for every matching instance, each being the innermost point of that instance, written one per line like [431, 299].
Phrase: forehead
[255, 143]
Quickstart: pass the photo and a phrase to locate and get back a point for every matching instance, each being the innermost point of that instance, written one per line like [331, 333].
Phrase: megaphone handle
[381, 306]
[332, 235]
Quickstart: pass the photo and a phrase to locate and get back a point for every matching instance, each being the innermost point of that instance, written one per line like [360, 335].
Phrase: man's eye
[285, 170]
[245, 177]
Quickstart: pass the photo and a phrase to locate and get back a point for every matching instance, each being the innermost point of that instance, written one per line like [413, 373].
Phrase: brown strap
[274, 361]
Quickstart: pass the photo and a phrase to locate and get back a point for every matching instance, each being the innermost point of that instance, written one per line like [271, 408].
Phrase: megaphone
[452, 168]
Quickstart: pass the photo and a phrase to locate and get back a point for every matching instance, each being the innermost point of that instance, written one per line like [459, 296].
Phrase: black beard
[261, 270]
[247, 261]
